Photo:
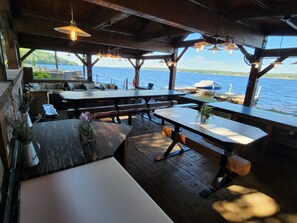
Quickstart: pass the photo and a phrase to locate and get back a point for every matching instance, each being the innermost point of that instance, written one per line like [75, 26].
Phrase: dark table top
[265, 116]
[61, 146]
[218, 129]
[117, 94]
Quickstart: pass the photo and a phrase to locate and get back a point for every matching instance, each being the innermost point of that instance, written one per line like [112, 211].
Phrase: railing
[122, 84]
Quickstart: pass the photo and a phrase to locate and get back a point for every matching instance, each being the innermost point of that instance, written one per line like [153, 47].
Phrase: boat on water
[235, 98]
[207, 87]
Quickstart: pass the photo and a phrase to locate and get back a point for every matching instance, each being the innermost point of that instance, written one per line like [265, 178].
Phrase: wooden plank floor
[268, 194]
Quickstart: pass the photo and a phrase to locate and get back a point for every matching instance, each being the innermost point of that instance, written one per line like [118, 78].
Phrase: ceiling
[136, 28]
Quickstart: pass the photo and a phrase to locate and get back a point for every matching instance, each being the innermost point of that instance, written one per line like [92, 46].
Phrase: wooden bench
[234, 164]
[186, 105]
[123, 110]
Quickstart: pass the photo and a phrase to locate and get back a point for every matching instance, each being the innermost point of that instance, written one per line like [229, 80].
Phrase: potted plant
[24, 108]
[24, 134]
[204, 113]
[86, 128]
[25, 103]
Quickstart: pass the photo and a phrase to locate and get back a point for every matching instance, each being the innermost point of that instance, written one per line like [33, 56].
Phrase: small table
[101, 191]
[224, 131]
[61, 147]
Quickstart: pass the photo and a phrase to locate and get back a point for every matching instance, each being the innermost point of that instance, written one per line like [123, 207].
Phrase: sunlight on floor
[249, 204]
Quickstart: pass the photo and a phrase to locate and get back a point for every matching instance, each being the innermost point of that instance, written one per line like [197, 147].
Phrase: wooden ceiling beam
[276, 11]
[210, 5]
[28, 41]
[46, 28]
[161, 34]
[100, 21]
[284, 52]
[181, 14]
[261, 4]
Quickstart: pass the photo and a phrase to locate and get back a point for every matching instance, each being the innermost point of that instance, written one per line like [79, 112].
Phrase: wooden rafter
[27, 54]
[100, 21]
[271, 66]
[46, 28]
[154, 10]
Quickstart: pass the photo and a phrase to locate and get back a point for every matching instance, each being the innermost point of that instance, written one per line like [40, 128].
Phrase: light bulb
[275, 65]
[202, 46]
[214, 51]
[73, 35]
[256, 65]
[231, 51]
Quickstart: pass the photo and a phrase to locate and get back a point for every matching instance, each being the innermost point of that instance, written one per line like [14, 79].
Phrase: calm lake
[278, 94]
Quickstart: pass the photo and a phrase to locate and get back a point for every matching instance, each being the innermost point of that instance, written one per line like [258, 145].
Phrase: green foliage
[42, 57]
[21, 131]
[25, 103]
[205, 110]
[41, 75]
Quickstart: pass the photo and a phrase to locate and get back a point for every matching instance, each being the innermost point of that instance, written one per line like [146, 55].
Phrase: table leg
[223, 177]
[76, 107]
[147, 99]
[116, 108]
[168, 152]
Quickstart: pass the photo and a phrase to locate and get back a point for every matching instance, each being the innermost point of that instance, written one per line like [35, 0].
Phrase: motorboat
[207, 87]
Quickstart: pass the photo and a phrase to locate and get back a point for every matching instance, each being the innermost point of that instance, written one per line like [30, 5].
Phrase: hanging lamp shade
[214, 49]
[232, 47]
[72, 30]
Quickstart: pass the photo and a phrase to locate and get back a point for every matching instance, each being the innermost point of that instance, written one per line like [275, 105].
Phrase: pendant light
[214, 49]
[72, 30]
[277, 62]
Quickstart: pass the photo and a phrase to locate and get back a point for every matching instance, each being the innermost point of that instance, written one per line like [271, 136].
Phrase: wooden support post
[3, 76]
[56, 61]
[89, 67]
[137, 66]
[88, 63]
[251, 87]
[8, 35]
[253, 79]
[172, 69]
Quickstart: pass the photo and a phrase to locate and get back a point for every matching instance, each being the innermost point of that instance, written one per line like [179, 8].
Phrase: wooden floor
[268, 194]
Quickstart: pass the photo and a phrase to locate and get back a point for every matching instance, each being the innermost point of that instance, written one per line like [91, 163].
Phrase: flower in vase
[86, 127]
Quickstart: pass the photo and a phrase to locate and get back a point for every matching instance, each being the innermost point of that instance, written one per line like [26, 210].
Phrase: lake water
[278, 94]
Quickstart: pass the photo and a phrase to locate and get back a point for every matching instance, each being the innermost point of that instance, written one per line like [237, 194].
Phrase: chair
[39, 98]
[150, 86]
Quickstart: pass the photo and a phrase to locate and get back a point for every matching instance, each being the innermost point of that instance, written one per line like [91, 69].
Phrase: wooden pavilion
[136, 29]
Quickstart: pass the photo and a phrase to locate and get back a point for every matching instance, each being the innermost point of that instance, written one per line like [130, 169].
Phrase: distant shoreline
[230, 73]
[213, 72]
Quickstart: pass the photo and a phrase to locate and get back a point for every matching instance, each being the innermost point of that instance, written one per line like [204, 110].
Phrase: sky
[205, 60]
